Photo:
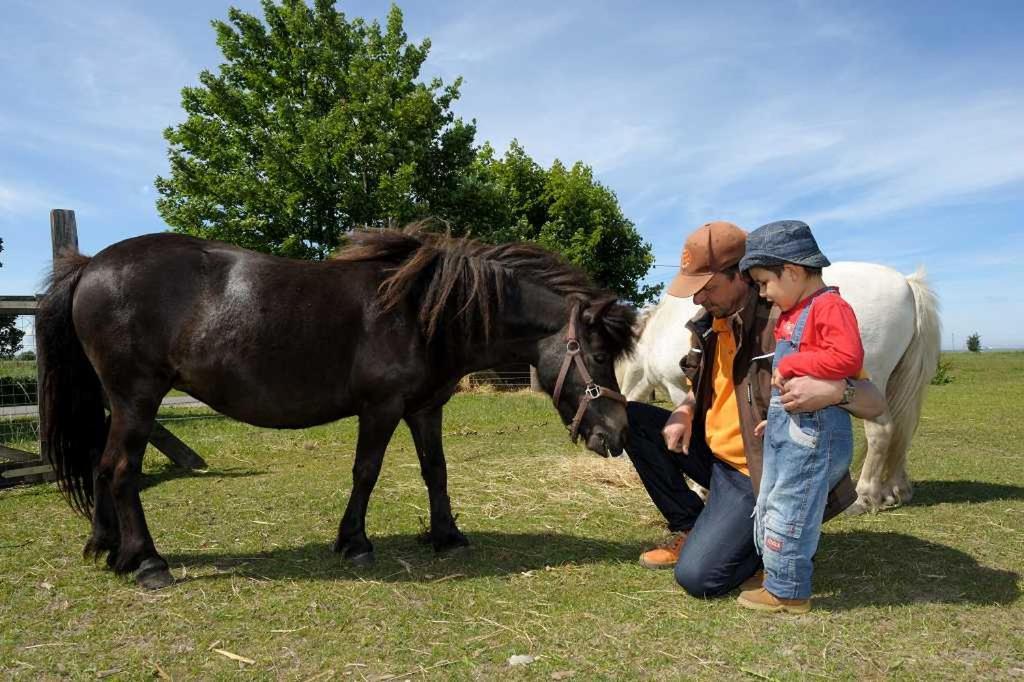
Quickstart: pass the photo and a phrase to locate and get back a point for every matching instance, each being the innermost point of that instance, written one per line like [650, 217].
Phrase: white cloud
[934, 153]
[21, 200]
[485, 33]
[746, 114]
[91, 85]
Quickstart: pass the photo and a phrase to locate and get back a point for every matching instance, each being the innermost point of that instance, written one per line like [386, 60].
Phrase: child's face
[783, 289]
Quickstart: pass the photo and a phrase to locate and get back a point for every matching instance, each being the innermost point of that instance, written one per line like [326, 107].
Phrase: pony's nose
[620, 442]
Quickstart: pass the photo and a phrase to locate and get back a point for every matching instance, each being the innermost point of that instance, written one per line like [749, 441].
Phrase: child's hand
[759, 429]
[777, 380]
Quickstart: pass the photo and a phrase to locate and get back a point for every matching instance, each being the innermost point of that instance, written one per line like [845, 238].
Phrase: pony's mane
[643, 316]
[461, 283]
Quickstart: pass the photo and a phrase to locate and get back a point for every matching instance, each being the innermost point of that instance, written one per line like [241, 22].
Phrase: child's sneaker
[763, 600]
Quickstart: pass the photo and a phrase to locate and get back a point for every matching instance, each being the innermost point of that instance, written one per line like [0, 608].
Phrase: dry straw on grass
[612, 473]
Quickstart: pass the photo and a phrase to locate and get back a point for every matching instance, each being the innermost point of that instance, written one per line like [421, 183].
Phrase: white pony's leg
[643, 391]
[676, 394]
[883, 479]
[896, 486]
[879, 436]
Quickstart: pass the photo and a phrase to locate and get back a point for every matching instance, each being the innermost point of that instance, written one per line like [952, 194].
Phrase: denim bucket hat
[784, 241]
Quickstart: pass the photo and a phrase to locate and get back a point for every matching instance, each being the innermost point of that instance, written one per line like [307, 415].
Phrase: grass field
[931, 590]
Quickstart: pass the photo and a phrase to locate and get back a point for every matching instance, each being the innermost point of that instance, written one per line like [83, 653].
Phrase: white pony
[899, 327]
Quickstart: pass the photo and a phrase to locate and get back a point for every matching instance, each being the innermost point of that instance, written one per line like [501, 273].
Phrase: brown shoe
[666, 553]
[763, 600]
[753, 582]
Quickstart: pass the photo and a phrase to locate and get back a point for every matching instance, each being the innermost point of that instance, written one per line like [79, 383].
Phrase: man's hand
[777, 380]
[807, 394]
[678, 429]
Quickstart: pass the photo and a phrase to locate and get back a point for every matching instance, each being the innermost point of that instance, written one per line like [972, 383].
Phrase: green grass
[18, 368]
[929, 590]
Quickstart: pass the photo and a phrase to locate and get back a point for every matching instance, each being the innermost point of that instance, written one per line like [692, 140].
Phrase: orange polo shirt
[722, 421]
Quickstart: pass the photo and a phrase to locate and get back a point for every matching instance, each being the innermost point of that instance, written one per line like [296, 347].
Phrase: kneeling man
[710, 436]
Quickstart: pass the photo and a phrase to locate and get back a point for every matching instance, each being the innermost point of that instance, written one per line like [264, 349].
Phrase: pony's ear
[596, 310]
[616, 321]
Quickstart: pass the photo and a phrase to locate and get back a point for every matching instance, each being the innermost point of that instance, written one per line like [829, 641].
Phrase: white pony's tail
[905, 390]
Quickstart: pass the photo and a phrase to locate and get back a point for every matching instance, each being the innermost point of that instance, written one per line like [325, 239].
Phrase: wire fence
[19, 424]
[500, 380]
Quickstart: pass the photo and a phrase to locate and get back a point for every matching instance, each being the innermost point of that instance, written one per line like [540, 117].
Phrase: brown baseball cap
[711, 248]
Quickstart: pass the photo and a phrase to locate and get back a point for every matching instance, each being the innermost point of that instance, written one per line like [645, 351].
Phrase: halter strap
[592, 390]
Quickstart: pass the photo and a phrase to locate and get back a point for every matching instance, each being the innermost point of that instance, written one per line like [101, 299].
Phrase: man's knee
[645, 421]
[699, 581]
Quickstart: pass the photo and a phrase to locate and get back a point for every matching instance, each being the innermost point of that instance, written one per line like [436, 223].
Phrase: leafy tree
[974, 343]
[564, 209]
[314, 125]
[10, 335]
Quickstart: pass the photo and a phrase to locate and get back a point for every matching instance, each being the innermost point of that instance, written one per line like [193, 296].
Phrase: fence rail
[18, 305]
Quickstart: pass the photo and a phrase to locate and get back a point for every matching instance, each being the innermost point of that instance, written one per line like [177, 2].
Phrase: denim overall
[805, 455]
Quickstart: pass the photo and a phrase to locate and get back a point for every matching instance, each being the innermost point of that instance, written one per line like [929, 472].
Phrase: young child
[805, 454]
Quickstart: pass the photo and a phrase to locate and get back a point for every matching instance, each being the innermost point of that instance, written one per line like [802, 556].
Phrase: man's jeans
[719, 553]
[805, 456]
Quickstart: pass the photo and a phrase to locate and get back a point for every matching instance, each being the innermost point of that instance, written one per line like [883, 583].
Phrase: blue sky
[895, 129]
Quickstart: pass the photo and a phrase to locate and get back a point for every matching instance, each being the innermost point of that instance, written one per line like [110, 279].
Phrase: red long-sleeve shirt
[830, 347]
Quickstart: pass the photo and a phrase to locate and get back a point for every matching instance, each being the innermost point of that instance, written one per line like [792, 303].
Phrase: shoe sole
[774, 608]
[654, 566]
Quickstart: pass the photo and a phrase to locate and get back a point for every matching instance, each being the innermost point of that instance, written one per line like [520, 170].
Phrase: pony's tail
[920, 360]
[72, 426]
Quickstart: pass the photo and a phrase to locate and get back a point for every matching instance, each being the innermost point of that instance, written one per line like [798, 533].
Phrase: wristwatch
[848, 393]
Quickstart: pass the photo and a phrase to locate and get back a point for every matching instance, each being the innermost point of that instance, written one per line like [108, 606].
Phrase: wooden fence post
[63, 230]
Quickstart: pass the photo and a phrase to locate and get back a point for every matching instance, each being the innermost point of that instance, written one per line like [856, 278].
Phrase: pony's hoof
[363, 560]
[857, 508]
[452, 545]
[153, 575]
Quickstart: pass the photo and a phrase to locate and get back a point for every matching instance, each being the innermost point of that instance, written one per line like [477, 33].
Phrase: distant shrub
[943, 374]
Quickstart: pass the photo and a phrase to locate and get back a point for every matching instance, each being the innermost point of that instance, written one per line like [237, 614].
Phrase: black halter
[592, 390]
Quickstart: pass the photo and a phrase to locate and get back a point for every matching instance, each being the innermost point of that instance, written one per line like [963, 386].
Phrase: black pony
[384, 330]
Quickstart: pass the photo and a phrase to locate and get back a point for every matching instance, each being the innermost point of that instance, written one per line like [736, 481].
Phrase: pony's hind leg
[426, 433]
[106, 534]
[897, 488]
[131, 422]
[878, 435]
[375, 430]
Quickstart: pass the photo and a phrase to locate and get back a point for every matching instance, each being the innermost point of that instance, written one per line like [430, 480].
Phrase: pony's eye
[600, 358]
